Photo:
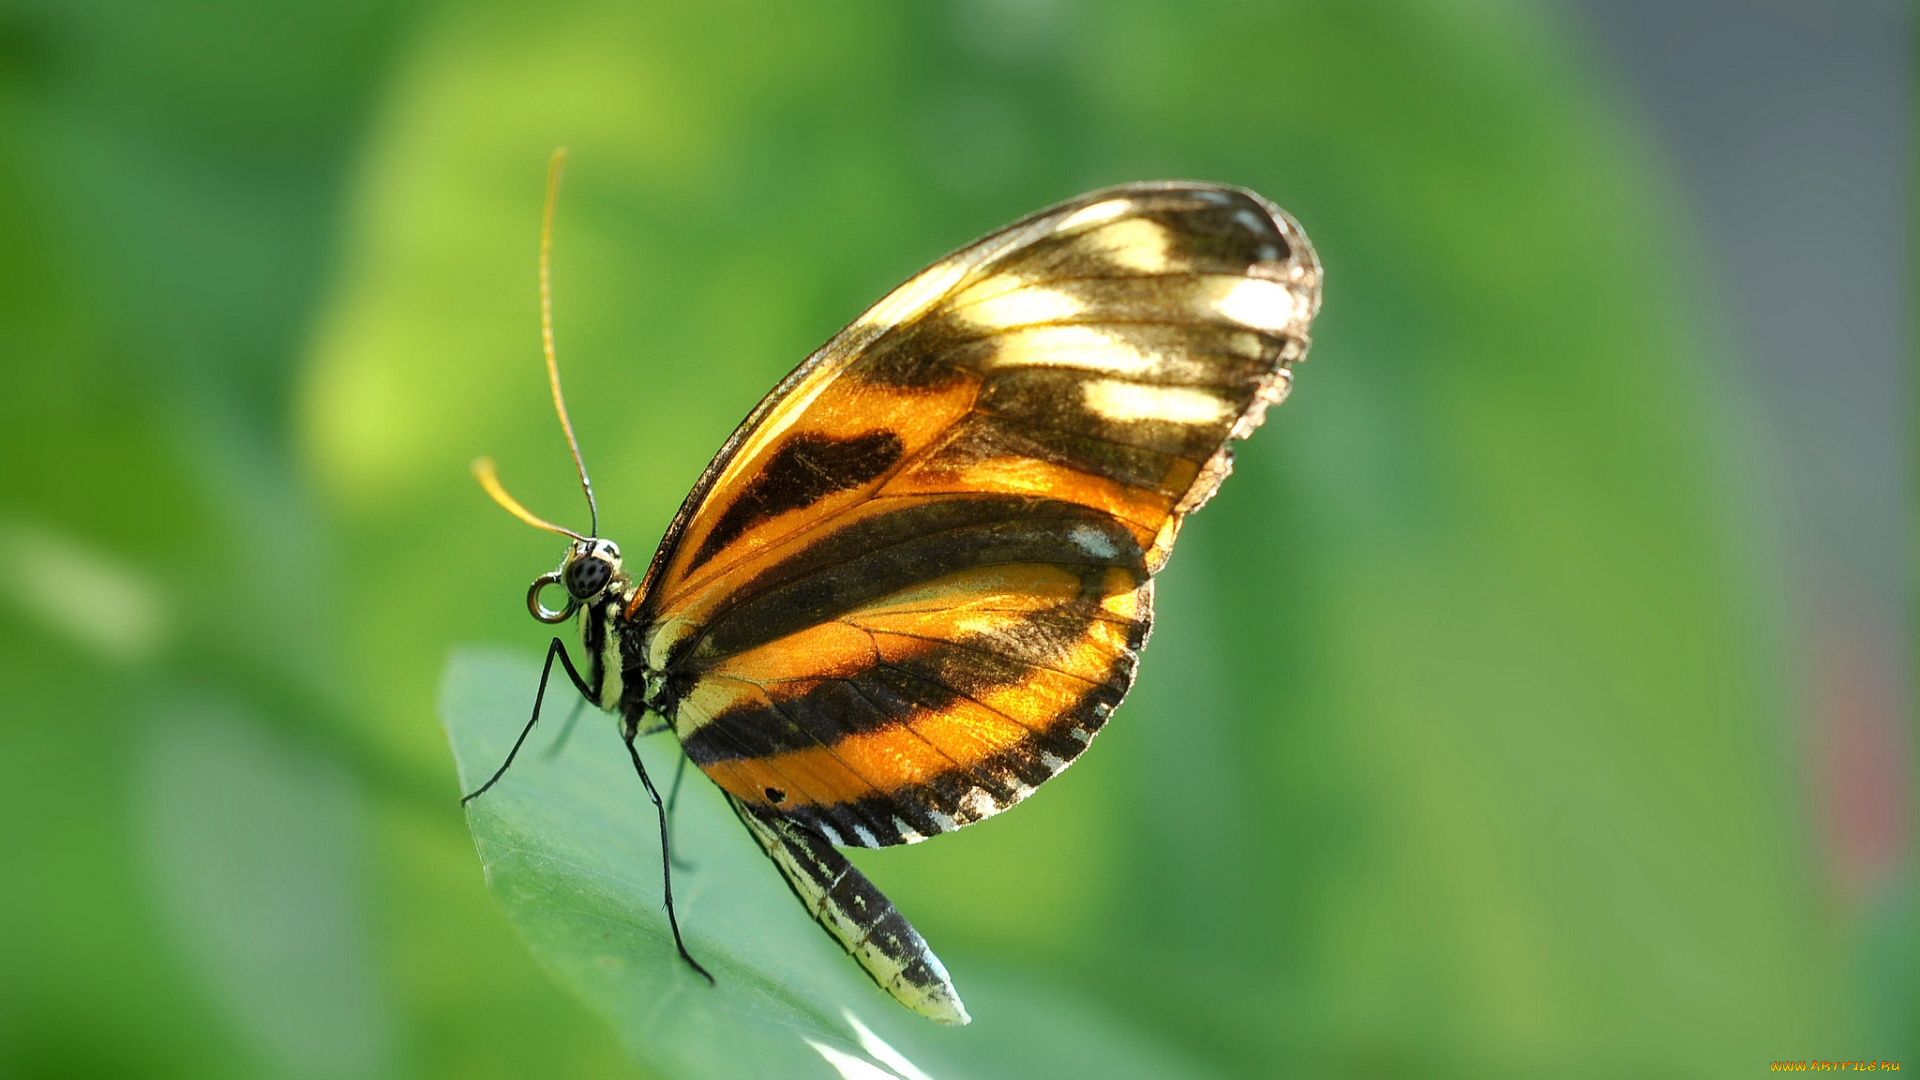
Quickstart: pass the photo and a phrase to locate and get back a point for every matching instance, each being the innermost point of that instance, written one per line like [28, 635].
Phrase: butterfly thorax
[601, 633]
[617, 639]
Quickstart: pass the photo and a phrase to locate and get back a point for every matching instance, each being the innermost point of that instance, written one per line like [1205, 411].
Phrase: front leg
[556, 649]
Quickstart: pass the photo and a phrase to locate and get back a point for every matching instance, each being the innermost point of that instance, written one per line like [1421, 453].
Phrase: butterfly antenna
[483, 471]
[554, 166]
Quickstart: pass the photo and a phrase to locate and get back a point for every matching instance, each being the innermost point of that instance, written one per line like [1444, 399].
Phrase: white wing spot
[1022, 307]
[1126, 401]
[1092, 541]
[907, 832]
[865, 836]
[1079, 347]
[1093, 215]
[1053, 762]
[1081, 734]
[1139, 245]
[977, 803]
[1259, 303]
[945, 823]
[833, 837]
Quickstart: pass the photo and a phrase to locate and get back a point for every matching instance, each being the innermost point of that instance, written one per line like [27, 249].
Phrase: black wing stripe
[1179, 421]
[981, 647]
[824, 713]
[1041, 737]
[890, 552]
[959, 800]
[914, 810]
[986, 436]
[807, 468]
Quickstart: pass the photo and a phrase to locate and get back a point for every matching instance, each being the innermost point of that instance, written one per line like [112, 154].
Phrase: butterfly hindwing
[922, 701]
[915, 581]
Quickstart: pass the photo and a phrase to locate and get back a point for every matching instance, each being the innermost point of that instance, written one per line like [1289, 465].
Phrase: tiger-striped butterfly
[913, 584]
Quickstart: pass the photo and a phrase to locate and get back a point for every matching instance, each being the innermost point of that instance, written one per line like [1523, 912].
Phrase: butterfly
[914, 583]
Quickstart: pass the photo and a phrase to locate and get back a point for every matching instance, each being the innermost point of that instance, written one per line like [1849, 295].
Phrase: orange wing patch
[936, 704]
[830, 459]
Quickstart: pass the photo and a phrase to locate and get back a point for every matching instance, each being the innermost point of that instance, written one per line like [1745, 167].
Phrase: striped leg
[859, 916]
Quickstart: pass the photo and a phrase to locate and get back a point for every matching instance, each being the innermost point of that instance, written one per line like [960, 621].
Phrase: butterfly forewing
[915, 582]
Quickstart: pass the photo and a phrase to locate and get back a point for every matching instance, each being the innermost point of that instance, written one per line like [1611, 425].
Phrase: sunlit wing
[914, 583]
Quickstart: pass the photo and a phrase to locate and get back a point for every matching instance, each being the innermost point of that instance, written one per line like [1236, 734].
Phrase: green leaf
[255, 845]
[569, 847]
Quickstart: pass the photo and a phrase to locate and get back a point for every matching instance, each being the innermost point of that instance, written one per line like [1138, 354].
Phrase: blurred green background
[1470, 738]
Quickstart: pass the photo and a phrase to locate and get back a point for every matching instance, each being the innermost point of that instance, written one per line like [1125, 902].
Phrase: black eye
[586, 577]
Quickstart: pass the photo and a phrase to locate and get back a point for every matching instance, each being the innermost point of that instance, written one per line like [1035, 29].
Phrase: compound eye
[586, 576]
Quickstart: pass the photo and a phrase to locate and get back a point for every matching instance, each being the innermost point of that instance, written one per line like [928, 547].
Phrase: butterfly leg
[672, 792]
[666, 855]
[553, 650]
[655, 727]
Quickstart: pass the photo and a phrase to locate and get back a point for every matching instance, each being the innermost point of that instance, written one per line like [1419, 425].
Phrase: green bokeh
[1463, 745]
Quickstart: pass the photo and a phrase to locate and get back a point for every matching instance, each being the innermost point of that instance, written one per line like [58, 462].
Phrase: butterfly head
[589, 568]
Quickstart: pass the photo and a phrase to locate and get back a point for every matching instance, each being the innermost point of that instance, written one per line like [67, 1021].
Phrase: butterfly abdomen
[857, 914]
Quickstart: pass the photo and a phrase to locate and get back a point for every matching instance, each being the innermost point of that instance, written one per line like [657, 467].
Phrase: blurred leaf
[256, 847]
[570, 849]
[170, 186]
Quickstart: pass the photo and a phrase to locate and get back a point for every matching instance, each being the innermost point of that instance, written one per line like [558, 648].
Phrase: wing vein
[970, 647]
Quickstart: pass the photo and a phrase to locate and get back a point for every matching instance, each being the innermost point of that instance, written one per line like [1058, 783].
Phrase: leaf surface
[569, 847]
